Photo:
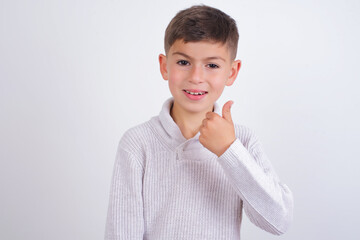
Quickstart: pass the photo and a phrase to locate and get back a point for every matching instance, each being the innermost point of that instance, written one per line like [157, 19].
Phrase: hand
[218, 133]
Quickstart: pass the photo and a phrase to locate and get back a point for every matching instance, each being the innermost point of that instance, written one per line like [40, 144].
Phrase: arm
[125, 213]
[267, 202]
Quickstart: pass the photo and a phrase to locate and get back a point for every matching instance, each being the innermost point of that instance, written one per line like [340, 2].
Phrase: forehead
[200, 50]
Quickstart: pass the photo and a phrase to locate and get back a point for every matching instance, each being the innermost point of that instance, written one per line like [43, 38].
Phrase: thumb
[226, 113]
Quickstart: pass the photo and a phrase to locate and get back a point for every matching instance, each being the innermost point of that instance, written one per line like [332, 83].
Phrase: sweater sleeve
[267, 202]
[125, 212]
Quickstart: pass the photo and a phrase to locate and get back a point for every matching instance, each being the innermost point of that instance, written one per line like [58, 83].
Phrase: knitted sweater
[165, 187]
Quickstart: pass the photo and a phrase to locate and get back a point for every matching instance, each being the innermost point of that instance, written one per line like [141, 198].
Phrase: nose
[196, 74]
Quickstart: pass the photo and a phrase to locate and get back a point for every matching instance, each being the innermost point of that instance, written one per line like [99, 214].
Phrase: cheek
[218, 84]
[174, 81]
[217, 80]
[175, 77]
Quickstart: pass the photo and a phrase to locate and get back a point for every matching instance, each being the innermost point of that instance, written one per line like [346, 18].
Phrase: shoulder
[246, 135]
[136, 139]
[253, 144]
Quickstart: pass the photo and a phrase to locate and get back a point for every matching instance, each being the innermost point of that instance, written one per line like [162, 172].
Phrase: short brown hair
[201, 22]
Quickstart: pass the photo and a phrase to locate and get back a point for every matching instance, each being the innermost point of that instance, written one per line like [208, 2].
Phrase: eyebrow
[208, 58]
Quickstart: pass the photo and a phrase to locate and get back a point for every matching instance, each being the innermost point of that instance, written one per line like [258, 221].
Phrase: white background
[75, 74]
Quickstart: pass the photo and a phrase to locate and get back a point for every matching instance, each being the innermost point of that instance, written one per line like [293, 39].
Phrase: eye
[212, 65]
[183, 62]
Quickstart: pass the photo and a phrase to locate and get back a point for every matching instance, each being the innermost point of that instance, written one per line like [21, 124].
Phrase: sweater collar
[172, 130]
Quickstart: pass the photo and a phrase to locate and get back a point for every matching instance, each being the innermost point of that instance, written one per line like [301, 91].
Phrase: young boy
[188, 172]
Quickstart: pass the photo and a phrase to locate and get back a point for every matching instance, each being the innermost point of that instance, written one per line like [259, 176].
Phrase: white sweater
[165, 187]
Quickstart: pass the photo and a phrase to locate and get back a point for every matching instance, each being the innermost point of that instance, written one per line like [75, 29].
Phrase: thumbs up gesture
[218, 133]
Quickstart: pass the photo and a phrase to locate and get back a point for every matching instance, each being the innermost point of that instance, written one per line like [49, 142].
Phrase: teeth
[193, 93]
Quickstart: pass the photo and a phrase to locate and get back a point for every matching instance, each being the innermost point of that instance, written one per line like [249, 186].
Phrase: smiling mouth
[195, 93]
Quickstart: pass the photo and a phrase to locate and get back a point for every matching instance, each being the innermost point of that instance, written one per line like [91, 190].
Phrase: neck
[189, 123]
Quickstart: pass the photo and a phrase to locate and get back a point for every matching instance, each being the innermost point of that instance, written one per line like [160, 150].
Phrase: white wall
[74, 75]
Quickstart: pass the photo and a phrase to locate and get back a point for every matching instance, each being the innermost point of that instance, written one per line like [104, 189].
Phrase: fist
[217, 132]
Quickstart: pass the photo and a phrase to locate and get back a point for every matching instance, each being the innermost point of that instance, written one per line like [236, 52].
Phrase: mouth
[195, 92]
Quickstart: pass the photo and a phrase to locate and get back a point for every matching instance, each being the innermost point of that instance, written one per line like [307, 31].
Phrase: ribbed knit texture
[165, 187]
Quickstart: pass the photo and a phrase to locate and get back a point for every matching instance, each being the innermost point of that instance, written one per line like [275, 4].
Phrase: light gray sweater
[165, 187]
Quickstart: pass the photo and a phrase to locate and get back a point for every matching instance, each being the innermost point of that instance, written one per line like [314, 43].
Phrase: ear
[163, 66]
[235, 67]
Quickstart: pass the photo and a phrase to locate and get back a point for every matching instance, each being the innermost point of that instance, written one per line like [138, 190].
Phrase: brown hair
[201, 22]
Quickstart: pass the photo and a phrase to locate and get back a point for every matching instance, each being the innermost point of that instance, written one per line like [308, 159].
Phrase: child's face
[198, 66]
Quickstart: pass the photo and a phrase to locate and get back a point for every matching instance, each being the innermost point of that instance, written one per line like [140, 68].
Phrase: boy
[188, 172]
